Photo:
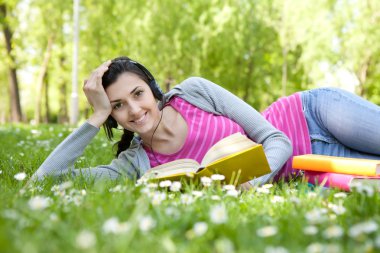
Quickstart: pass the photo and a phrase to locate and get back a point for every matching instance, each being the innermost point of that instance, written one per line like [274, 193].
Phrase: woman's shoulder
[195, 81]
[193, 85]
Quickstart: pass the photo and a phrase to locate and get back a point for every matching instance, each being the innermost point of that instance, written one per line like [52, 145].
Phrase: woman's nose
[133, 108]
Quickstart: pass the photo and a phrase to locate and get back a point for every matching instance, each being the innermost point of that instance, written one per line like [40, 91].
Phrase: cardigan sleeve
[61, 160]
[213, 98]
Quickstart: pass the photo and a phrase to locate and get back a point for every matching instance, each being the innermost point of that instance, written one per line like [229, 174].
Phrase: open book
[236, 157]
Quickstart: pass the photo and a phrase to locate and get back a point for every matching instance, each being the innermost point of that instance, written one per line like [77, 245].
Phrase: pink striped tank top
[204, 129]
[286, 114]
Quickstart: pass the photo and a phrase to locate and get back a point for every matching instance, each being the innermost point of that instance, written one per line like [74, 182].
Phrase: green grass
[75, 218]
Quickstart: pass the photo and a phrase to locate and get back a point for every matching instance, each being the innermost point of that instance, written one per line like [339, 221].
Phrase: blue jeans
[341, 123]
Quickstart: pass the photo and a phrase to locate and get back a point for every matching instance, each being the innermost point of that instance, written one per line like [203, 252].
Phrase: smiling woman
[133, 105]
[194, 115]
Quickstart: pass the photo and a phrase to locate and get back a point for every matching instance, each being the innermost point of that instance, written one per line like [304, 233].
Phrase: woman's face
[133, 104]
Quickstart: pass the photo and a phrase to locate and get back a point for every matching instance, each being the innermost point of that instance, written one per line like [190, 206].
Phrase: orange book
[344, 165]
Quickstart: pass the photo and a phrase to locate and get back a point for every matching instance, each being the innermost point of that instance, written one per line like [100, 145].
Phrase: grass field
[75, 215]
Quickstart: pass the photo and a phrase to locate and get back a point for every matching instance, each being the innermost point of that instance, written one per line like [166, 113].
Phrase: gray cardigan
[134, 161]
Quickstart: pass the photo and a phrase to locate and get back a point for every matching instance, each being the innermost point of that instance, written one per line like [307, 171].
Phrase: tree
[358, 23]
[15, 105]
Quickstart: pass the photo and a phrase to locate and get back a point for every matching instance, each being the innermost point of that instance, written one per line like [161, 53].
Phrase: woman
[183, 125]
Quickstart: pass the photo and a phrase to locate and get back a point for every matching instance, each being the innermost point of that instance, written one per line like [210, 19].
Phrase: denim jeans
[341, 123]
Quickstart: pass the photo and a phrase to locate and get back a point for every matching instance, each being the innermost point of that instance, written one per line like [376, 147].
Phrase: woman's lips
[140, 120]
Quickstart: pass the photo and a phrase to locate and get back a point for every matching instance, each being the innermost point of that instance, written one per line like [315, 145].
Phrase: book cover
[341, 181]
[334, 164]
[236, 157]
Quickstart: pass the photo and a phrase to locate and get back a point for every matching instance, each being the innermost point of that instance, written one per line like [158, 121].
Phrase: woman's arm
[61, 160]
[213, 98]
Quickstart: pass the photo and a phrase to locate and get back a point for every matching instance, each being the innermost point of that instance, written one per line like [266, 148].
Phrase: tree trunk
[284, 78]
[15, 105]
[47, 105]
[40, 80]
[248, 83]
[63, 116]
[284, 35]
[362, 76]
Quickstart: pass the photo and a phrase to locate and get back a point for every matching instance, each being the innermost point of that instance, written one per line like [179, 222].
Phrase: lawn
[78, 215]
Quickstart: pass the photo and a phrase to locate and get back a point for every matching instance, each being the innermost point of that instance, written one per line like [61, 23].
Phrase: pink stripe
[286, 125]
[198, 155]
[197, 134]
[291, 122]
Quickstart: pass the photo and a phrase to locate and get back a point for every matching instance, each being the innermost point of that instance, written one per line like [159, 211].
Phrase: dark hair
[117, 67]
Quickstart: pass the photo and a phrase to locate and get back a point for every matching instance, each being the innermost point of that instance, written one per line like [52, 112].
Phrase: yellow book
[344, 165]
[236, 157]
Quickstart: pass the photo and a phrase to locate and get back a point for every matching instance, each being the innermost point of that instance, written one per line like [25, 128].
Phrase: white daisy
[165, 183]
[215, 197]
[340, 195]
[228, 187]
[334, 231]
[147, 223]
[218, 214]
[39, 202]
[277, 199]
[232, 193]
[20, 176]
[200, 228]
[175, 186]
[158, 197]
[366, 227]
[263, 190]
[217, 177]
[113, 226]
[187, 199]
[310, 230]
[337, 209]
[267, 231]
[206, 181]
[197, 194]
[85, 239]
[317, 215]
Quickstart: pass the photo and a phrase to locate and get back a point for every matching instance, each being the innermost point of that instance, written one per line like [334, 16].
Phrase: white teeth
[140, 119]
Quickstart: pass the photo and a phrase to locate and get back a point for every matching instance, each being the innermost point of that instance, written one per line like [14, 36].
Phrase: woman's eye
[117, 106]
[139, 93]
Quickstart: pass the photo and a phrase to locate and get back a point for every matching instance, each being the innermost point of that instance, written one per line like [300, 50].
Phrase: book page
[226, 146]
[181, 166]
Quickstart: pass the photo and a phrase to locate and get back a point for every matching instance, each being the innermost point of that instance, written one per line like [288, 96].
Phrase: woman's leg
[341, 123]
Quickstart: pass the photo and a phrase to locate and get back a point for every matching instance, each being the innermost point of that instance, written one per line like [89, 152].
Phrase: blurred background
[258, 49]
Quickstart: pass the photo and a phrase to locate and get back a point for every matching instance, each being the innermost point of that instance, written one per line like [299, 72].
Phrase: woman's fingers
[99, 72]
[95, 79]
[95, 92]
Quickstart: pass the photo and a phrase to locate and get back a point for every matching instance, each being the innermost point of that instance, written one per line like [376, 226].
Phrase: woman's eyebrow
[118, 100]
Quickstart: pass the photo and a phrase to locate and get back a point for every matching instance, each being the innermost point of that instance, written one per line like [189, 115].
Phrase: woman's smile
[141, 120]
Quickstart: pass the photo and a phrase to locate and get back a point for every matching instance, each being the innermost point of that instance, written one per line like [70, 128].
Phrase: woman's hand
[96, 95]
